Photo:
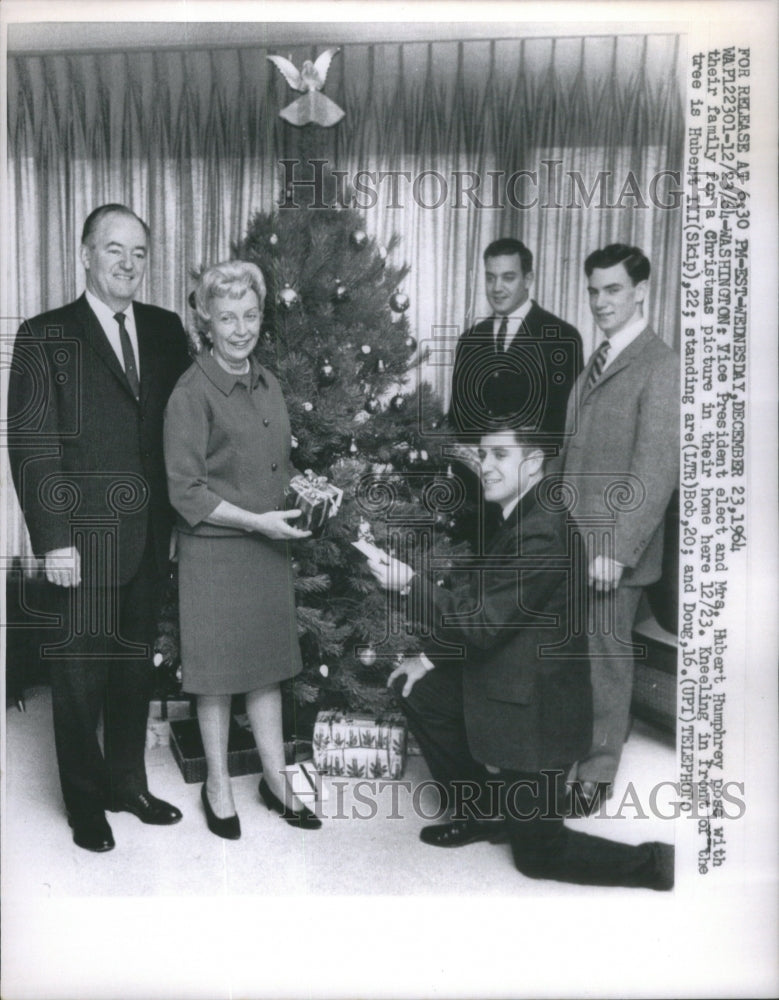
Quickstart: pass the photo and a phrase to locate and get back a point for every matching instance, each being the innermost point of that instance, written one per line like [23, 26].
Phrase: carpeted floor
[368, 844]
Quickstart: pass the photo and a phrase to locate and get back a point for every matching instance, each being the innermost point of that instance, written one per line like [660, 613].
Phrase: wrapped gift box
[316, 498]
[359, 746]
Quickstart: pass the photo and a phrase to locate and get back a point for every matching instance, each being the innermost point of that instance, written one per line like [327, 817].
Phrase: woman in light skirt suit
[227, 446]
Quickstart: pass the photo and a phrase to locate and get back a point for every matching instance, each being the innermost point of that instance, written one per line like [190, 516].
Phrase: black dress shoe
[148, 809]
[304, 819]
[229, 827]
[92, 832]
[458, 833]
[663, 876]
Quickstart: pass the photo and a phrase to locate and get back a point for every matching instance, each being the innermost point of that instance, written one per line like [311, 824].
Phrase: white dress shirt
[514, 321]
[105, 315]
[623, 338]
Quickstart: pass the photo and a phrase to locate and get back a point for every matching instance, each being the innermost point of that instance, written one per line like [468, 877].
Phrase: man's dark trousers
[99, 675]
[533, 804]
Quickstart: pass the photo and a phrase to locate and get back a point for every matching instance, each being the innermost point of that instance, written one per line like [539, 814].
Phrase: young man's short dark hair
[634, 259]
[507, 246]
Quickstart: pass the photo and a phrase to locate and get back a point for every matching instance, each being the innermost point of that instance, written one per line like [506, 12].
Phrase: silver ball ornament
[288, 297]
[367, 656]
[399, 302]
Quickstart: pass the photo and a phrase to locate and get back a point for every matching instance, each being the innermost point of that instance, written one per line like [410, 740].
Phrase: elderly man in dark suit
[88, 388]
[514, 713]
[621, 459]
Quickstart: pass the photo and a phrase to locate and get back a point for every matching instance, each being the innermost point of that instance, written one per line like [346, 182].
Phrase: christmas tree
[336, 335]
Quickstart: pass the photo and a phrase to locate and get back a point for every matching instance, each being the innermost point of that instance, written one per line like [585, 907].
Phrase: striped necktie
[500, 343]
[598, 363]
[130, 370]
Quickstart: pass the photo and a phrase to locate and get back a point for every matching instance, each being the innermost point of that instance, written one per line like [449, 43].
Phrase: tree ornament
[295, 566]
[381, 250]
[413, 456]
[372, 404]
[364, 531]
[324, 670]
[380, 367]
[326, 372]
[398, 403]
[273, 239]
[399, 302]
[411, 344]
[359, 238]
[367, 656]
[339, 291]
[309, 80]
[288, 297]
[293, 441]
[423, 455]
[365, 350]
[353, 447]
[308, 407]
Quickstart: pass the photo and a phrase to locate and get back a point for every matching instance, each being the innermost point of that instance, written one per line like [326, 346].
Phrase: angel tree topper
[312, 106]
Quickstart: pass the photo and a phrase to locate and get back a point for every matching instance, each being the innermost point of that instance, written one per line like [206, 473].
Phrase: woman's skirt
[237, 613]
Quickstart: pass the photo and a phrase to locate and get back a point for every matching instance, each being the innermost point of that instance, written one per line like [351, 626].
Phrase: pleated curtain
[192, 140]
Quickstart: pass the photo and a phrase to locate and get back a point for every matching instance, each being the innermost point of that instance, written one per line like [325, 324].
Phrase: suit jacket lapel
[146, 352]
[626, 357]
[529, 325]
[97, 340]
[95, 337]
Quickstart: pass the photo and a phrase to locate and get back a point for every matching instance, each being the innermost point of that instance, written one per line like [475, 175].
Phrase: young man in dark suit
[522, 361]
[621, 459]
[513, 713]
[88, 387]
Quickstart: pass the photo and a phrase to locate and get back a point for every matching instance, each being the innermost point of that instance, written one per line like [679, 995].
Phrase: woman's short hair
[230, 278]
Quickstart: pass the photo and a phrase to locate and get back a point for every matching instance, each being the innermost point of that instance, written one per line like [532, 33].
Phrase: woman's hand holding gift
[274, 524]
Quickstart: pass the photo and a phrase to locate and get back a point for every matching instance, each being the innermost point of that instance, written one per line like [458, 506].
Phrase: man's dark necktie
[501, 340]
[130, 371]
[598, 362]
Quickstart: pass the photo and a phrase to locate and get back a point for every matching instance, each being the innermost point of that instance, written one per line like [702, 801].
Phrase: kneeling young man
[515, 712]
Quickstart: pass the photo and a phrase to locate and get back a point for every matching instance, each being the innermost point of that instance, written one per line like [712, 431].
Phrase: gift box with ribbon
[360, 746]
[318, 500]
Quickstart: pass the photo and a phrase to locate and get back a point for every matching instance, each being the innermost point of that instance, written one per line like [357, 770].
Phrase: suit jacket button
[274, 466]
[265, 422]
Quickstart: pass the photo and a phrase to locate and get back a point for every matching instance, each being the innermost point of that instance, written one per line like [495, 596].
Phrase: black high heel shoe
[304, 819]
[229, 827]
